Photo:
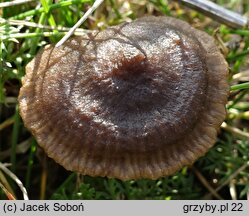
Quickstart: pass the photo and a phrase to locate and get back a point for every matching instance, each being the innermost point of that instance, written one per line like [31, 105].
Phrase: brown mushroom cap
[138, 100]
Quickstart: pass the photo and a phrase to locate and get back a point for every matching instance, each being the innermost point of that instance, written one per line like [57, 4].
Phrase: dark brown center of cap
[136, 88]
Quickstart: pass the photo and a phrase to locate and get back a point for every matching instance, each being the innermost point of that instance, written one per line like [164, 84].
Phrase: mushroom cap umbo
[137, 100]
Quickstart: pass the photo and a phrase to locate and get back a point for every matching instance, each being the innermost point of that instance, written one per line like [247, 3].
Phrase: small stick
[12, 3]
[77, 25]
[221, 14]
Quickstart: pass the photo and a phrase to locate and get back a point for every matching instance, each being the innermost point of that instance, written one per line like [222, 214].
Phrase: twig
[77, 25]
[17, 180]
[12, 3]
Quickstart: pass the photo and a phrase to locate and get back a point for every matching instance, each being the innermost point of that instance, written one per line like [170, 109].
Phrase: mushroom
[137, 100]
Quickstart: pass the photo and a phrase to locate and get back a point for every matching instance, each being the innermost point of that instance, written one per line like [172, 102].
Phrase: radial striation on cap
[137, 100]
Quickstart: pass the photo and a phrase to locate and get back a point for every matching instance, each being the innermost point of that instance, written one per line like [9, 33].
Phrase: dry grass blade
[221, 14]
[77, 25]
[234, 130]
[6, 184]
[8, 194]
[21, 148]
[17, 180]
[232, 176]
[232, 189]
[12, 3]
[241, 76]
[40, 26]
[206, 184]
[6, 123]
